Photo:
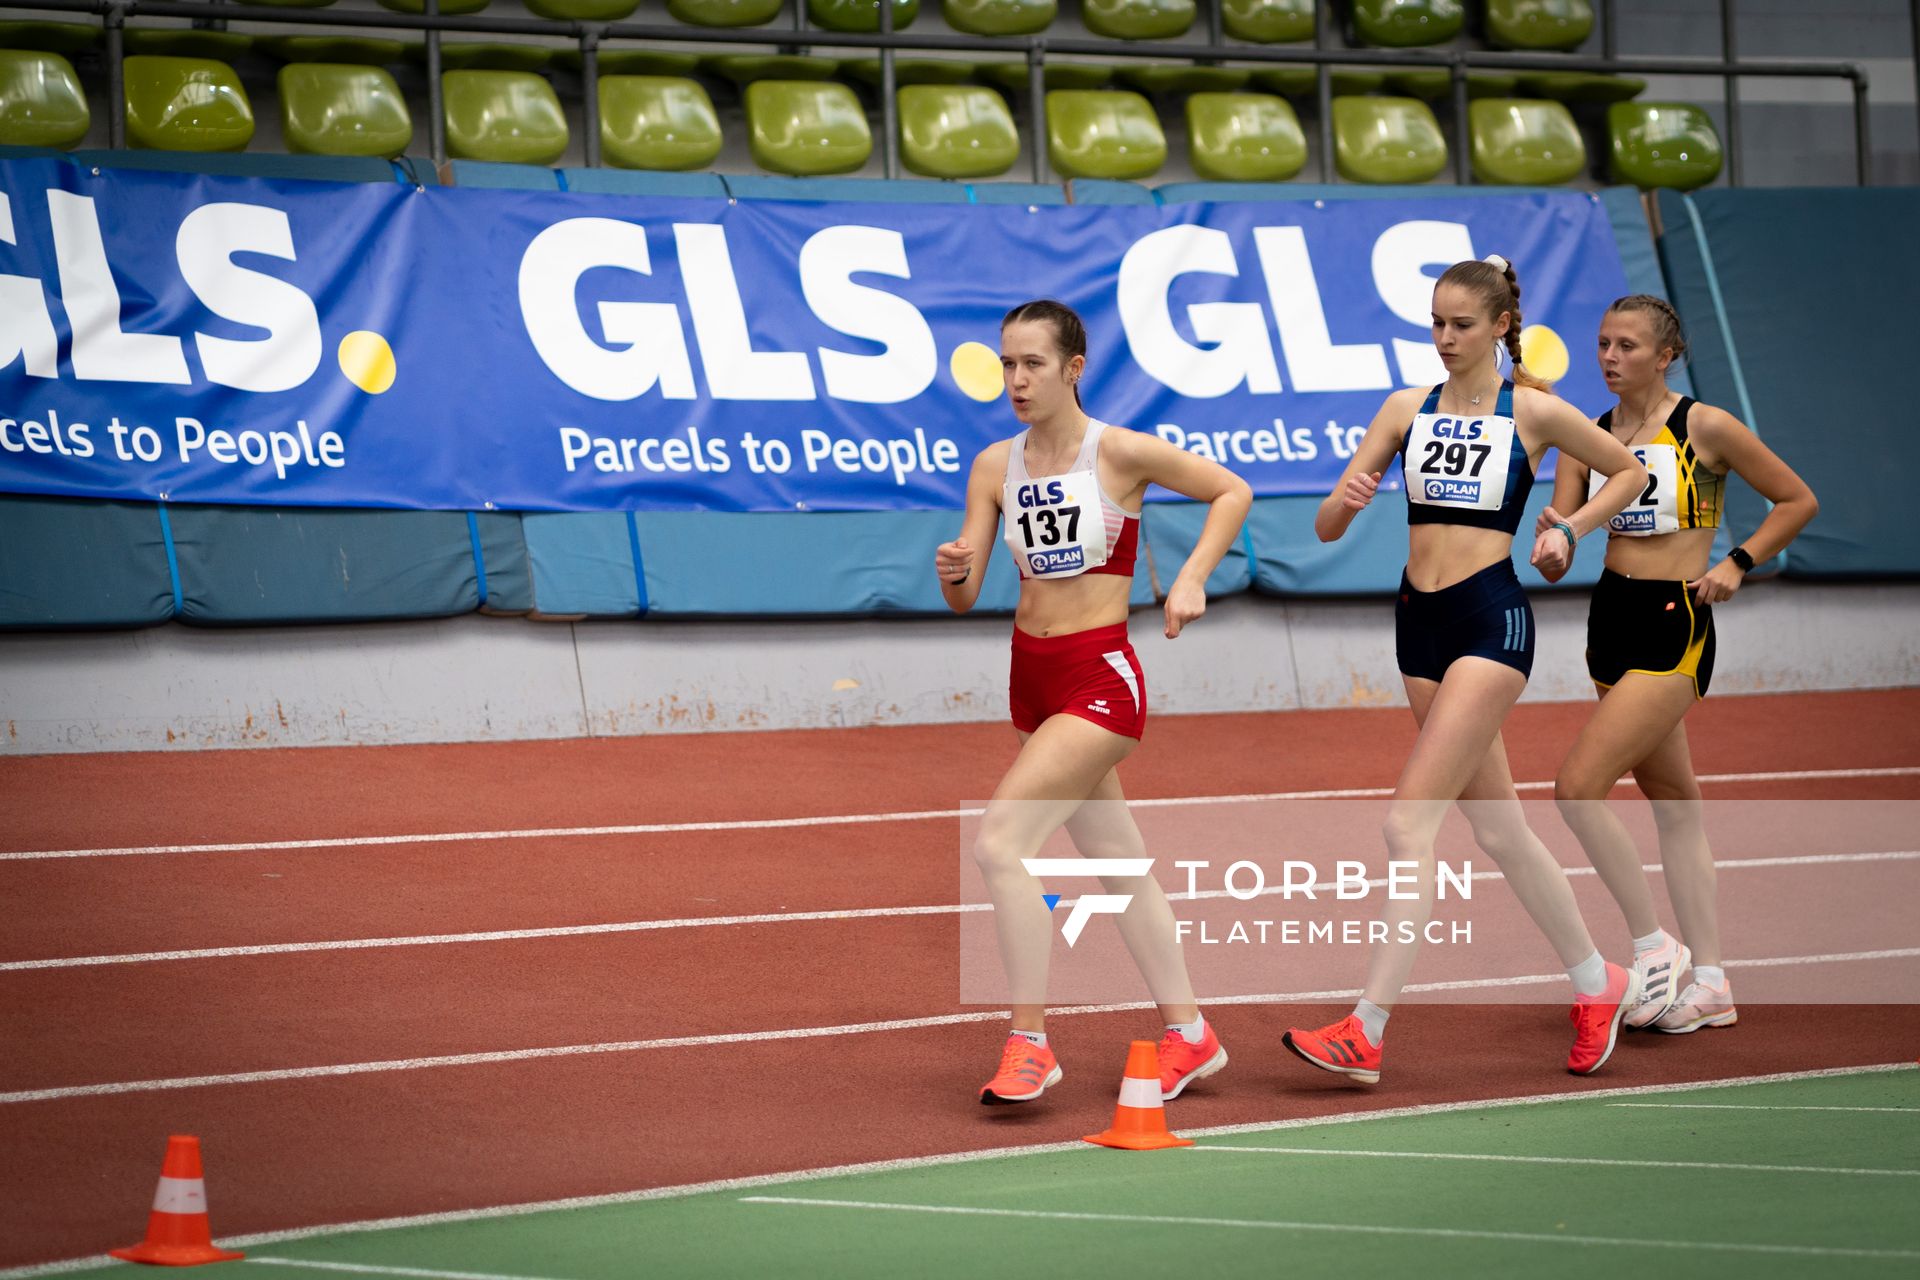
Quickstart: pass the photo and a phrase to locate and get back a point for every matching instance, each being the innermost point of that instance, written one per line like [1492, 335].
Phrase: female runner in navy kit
[1464, 638]
[1650, 647]
[1069, 489]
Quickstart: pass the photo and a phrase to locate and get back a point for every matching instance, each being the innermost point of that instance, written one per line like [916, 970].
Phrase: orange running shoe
[1342, 1048]
[1182, 1063]
[1596, 1020]
[1027, 1070]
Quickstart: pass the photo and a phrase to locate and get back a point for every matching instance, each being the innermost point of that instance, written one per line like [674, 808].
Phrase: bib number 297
[1449, 457]
[1048, 520]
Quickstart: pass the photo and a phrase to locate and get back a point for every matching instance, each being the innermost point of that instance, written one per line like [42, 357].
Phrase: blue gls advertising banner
[187, 338]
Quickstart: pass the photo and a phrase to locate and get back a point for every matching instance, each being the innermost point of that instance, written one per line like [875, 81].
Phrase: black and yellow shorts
[1650, 625]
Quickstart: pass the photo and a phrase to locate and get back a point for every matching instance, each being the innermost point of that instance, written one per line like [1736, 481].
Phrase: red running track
[287, 1153]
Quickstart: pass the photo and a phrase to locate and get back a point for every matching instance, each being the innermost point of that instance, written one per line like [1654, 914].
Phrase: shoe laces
[1695, 993]
[1017, 1051]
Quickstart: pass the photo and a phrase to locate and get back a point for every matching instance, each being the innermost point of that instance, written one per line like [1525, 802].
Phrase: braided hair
[1660, 314]
[1069, 331]
[1499, 288]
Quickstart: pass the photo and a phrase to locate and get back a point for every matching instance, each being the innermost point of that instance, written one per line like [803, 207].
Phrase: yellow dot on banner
[1542, 351]
[367, 361]
[976, 370]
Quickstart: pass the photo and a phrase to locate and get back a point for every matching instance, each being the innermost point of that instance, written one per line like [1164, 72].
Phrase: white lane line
[1556, 1239]
[848, 819]
[363, 1268]
[1576, 1160]
[909, 1163]
[808, 1033]
[794, 917]
[1756, 1106]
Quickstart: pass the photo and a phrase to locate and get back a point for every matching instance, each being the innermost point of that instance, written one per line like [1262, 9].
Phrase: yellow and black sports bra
[1682, 492]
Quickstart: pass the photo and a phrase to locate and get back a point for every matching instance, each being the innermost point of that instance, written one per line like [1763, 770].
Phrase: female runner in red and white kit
[1070, 489]
[1650, 647]
[1464, 639]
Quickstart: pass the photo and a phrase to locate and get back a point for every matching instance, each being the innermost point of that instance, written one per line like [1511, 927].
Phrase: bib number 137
[1048, 521]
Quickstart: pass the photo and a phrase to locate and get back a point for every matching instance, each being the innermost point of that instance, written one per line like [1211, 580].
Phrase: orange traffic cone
[1139, 1121]
[177, 1231]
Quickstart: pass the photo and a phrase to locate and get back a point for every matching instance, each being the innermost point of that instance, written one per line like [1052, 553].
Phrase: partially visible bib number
[1055, 526]
[1459, 462]
[1657, 509]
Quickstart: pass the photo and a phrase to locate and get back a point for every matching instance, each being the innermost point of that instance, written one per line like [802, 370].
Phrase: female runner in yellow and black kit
[1650, 648]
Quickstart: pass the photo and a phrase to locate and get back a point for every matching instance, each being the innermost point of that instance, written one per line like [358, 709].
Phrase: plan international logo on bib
[1641, 521]
[1052, 561]
[1453, 491]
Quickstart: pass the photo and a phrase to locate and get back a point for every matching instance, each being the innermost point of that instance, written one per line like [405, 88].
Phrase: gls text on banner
[305, 343]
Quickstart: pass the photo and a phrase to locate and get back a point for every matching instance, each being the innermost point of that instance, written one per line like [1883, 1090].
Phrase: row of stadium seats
[801, 123]
[1509, 24]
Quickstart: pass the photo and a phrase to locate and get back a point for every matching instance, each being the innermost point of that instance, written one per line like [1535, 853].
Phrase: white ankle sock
[1652, 942]
[1711, 975]
[1373, 1021]
[1589, 976]
[1039, 1038]
[1192, 1032]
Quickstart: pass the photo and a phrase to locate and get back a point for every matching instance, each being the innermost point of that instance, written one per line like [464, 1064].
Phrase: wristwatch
[1740, 557]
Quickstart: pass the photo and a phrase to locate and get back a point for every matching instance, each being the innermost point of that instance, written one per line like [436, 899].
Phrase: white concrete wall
[479, 678]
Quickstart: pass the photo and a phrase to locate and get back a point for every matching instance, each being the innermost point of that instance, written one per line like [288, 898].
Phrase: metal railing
[592, 36]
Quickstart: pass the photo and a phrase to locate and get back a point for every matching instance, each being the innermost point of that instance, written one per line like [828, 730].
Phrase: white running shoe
[1699, 1006]
[1659, 971]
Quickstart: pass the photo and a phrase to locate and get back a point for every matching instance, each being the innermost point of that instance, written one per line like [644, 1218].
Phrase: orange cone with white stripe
[178, 1234]
[1139, 1119]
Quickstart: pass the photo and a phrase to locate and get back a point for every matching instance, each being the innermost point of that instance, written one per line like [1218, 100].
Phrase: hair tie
[1497, 262]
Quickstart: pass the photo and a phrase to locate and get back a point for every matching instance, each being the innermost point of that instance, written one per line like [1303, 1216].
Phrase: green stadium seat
[63, 38]
[745, 68]
[291, 4]
[999, 17]
[337, 109]
[186, 104]
[1301, 82]
[806, 127]
[1577, 87]
[583, 10]
[1407, 24]
[1432, 84]
[908, 71]
[1525, 142]
[1103, 133]
[509, 117]
[1387, 140]
[631, 62]
[1138, 19]
[724, 13]
[219, 46]
[1267, 21]
[1662, 144]
[657, 122]
[956, 131]
[1538, 24]
[1013, 77]
[448, 8]
[477, 56]
[41, 102]
[1183, 78]
[1244, 137]
[359, 51]
[860, 15]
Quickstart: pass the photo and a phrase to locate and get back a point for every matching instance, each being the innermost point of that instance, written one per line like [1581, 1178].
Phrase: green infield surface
[1799, 1177]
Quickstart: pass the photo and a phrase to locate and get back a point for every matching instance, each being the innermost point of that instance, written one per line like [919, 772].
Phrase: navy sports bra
[1464, 468]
